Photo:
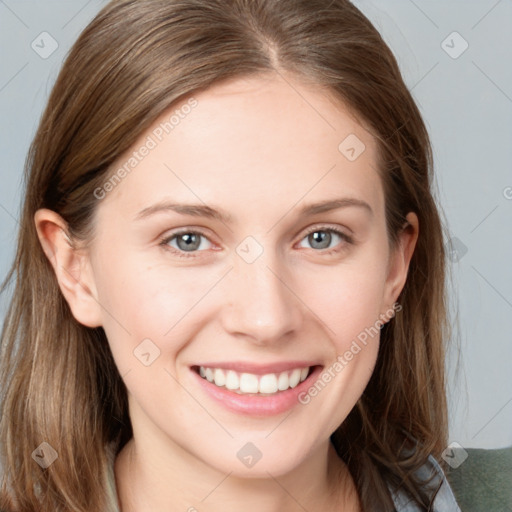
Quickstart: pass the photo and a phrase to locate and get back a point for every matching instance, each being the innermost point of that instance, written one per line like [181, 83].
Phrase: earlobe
[400, 259]
[71, 266]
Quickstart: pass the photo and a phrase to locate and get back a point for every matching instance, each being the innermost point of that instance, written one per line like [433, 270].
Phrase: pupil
[321, 237]
[188, 241]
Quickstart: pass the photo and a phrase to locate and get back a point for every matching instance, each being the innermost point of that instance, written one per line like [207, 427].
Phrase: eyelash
[193, 254]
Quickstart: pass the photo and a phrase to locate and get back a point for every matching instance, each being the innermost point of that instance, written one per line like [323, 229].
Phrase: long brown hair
[136, 58]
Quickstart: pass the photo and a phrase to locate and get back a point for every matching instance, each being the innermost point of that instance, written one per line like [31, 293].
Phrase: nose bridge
[258, 301]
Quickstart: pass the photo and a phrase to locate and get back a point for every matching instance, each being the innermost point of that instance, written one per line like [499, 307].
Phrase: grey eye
[188, 241]
[322, 238]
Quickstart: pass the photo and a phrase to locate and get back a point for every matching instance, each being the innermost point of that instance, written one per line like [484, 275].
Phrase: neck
[147, 482]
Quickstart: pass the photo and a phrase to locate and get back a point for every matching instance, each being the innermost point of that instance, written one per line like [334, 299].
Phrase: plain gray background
[456, 57]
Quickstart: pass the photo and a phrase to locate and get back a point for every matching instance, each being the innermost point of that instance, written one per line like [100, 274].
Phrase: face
[214, 256]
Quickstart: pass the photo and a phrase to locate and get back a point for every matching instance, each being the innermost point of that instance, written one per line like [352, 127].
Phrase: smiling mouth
[244, 383]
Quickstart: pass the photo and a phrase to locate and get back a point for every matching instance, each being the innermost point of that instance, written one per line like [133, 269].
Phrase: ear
[400, 258]
[71, 265]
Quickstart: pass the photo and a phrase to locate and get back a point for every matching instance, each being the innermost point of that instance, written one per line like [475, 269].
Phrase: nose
[259, 302]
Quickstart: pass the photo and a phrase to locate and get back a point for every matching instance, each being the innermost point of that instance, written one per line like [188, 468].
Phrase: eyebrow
[203, 210]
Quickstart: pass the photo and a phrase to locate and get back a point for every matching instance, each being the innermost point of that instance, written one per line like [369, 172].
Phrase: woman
[230, 271]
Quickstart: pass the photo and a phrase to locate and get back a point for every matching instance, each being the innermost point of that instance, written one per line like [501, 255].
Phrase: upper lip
[258, 369]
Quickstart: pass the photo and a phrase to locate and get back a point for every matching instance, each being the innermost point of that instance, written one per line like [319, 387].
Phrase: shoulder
[444, 499]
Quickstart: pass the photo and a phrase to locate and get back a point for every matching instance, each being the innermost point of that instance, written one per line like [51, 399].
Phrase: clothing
[443, 502]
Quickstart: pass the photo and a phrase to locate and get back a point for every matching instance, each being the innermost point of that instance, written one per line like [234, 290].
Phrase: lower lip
[258, 405]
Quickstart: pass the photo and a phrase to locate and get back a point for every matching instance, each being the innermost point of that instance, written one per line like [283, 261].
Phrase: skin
[259, 149]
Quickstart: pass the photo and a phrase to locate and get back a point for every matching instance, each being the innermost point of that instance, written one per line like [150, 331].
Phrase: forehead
[250, 142]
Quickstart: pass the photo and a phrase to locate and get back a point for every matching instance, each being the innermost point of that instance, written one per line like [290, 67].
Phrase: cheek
[347, 298]
[149, 303]
[347, 301]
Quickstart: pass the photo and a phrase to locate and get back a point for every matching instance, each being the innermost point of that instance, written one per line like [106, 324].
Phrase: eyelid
[346, 232]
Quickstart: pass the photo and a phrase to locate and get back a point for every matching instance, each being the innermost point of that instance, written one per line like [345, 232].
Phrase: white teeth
[250, 383]
[219, 377]
[295, 377]
[232, 380]
[268, 383]
[283, 382]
